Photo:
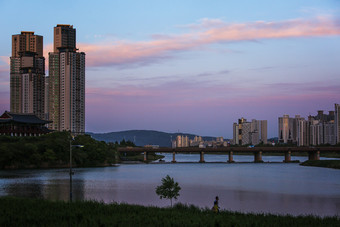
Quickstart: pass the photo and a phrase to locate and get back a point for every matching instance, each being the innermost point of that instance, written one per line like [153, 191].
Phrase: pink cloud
[184, 94]
[47, 49]
[123, 91]
[4, 74]
[4, 68]
[4, 59]
[207, 32]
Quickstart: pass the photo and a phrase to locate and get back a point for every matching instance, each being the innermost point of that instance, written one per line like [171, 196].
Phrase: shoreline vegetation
[53, 151]
[19, 212]
[334, 164]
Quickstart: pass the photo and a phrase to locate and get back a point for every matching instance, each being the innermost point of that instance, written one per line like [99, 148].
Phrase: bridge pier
[202, 157]
[288, 157]
[145, 156]
[258, 156]
[231, 159]
[173, 157]
[314, 155]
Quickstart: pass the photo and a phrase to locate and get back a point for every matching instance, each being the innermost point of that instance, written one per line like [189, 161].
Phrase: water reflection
[248, 187]
[47, 184]
[32, 190]
[60, 190]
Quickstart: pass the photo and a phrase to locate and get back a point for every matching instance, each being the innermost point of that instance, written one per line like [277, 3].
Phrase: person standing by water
[216, 208]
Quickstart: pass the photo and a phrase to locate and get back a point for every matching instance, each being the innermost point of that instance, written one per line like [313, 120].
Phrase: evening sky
[191, 66]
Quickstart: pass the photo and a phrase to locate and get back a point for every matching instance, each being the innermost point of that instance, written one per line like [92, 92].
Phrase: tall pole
[71, 169]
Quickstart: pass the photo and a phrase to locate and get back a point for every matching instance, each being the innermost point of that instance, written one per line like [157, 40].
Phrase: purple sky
[192, 67]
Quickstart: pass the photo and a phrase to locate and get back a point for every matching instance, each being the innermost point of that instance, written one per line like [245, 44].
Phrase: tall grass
[35, 212]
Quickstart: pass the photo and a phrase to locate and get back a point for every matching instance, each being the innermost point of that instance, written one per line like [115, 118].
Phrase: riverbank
[37, 212]
[335, 164]
[140, 158]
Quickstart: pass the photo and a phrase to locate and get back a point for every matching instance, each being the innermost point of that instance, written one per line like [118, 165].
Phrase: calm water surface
[248, 187]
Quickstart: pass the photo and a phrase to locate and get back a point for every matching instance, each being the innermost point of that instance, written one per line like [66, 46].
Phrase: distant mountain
[143, 137]
[274, 139]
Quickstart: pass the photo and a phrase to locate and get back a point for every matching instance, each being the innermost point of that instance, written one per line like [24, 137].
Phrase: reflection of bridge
[313, 152]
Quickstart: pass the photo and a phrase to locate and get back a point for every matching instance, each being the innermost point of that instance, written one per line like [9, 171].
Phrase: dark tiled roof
[23, 118]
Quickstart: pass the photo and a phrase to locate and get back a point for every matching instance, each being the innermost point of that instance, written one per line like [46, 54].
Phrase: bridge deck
[228, 149]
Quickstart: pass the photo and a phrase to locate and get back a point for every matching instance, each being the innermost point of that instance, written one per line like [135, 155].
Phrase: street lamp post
[71, 172]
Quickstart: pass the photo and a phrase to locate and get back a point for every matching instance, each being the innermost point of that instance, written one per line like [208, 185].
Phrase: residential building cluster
[316, 130]
[58, 97]
[197, 141]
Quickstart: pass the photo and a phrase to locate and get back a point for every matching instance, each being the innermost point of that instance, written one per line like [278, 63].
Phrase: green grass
[35, 212]
[335, 164]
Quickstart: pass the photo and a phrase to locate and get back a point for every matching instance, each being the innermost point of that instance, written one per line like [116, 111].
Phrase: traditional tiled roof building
[14, 124]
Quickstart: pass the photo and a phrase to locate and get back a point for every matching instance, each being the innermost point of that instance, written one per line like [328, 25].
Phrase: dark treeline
[53, 150]
[124, 143]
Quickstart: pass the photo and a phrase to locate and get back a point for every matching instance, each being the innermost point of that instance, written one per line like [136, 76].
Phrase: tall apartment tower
[337, 123]
[27, 74]
[66, 82]
[253, 132]
[288, 128]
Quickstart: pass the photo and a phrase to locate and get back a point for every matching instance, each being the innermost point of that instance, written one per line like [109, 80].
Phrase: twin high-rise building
[27, 74]
[66, 82]
[60, 97]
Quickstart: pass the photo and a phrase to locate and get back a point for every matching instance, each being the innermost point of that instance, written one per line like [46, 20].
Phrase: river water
[277, 188]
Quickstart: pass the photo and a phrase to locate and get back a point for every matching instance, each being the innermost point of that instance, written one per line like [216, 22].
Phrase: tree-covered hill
[143, 137]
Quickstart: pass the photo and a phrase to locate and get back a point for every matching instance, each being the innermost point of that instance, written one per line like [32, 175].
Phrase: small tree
[169, 189]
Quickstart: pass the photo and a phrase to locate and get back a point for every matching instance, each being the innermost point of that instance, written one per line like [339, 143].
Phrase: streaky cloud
[209, 31]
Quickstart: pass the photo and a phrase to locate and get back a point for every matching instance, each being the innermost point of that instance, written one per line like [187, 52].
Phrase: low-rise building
[13, 124]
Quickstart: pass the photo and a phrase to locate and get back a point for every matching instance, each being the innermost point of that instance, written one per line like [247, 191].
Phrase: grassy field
[33, 212]
[335, 164]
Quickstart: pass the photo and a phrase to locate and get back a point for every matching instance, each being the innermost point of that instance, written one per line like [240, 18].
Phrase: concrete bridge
[313, 152]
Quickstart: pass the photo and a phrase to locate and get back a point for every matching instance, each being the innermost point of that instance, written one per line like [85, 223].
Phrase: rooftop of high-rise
[26, 32]
[64, 25]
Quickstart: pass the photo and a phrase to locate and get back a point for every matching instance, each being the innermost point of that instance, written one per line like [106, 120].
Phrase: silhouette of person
[216, 208]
